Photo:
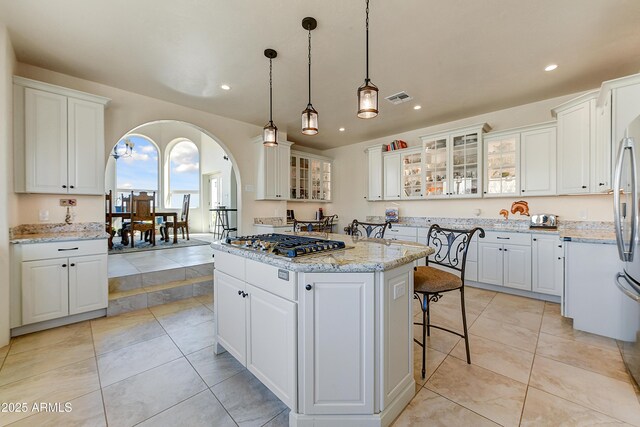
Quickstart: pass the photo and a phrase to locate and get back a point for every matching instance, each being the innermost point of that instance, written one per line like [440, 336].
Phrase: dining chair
[183, 222]
[367, 229]
[429, 283]
[318, 226]
[142, 217]
[108, 210]
[330, 220]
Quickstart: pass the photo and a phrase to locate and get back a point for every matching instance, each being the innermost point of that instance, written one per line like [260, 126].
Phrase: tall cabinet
[374, 163]
[59, 139]
[272, 178]
[310, 177]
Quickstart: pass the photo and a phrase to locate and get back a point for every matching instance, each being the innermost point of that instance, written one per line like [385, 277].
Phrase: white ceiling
[457, 58]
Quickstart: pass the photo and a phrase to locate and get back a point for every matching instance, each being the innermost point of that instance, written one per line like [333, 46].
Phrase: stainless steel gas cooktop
[285, 244]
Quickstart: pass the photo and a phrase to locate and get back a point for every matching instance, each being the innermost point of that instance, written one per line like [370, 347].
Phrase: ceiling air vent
[399, 98]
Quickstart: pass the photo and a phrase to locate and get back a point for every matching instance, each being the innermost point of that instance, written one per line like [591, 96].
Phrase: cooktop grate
[285, 244]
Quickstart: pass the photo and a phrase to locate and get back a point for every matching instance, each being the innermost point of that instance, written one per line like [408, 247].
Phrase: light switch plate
[68, 202]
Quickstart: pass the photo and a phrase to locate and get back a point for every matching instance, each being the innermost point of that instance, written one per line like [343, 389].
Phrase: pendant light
[270, 131]
[309, 115]
[368, 92]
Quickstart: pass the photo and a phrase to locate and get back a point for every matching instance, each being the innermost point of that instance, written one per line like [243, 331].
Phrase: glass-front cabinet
[501, 156]
[453, 163]
[299, 177]
[436, 163]
[412, 177]
[310, 177]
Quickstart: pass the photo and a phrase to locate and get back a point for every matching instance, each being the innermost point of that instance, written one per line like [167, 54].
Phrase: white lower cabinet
[505, 260]
[548, 265]
[337, 315]
[271, 342]
[45, 290]
[259, 329]
[52, 286]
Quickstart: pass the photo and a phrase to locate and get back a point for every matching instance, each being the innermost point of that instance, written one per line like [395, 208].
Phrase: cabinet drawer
[507, 238]
[272, 279]
[37, 251]
[233, 265]
[402, 233]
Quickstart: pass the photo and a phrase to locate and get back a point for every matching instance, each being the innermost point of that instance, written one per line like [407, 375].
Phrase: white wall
[351, 175]
[129, 110]
[7, 198]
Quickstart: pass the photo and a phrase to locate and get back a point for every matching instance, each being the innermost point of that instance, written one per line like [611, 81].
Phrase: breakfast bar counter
[329, 333]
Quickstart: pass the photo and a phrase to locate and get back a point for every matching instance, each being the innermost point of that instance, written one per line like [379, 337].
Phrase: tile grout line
[535, 353]
[462, 406]
[95, 353]
[276, 416]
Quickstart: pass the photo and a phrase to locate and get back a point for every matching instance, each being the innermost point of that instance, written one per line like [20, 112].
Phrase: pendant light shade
[309, 115]
[270, 131]
[368, 92]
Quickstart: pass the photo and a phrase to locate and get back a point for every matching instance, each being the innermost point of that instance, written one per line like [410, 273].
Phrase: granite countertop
[43, 233]
[361, 255]
[575, 231]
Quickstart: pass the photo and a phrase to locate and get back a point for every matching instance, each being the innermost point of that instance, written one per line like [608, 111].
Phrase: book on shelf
[396, 144]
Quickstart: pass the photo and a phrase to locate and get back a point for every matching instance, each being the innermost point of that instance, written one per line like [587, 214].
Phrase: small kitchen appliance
[548, 221]
[286, 245]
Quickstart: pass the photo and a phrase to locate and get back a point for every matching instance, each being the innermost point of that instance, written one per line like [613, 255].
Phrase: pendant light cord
[367, 48]
[270, 91]
[309, 29]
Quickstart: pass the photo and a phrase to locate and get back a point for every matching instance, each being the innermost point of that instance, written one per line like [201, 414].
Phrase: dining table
[165, 216]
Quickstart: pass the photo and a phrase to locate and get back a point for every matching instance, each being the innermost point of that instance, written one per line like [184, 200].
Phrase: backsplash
[54, 228]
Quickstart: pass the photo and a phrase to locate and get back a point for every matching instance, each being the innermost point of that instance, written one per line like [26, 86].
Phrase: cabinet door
[337, 333]
[602, 149]
[294, 188]
[545, 265]
[466, 159]
[232, 322]
[502, 160]
[272, 343]
[574, 145]
[411, 164]
[490, 263]
[392, 176]
[45, 290]
[282, 184]
[88, 287]
[538, 162]
[86, 147]
[436, 166]
[375, 174]
[327, 188]
[46, 142]
[517, 267]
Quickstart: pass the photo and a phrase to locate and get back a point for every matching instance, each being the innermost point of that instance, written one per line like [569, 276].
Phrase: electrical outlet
[68, 202]
[43, 215]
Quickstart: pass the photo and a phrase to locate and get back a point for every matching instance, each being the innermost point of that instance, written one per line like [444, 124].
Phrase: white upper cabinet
[453, 163]
[375, 168]
[392, 185]
[310, 177]
[502, 162]
[538, 161]
[272, 179]
[59, 139]
[412, 176]
[576, 133]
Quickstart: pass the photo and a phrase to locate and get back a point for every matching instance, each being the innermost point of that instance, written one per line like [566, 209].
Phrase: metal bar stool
[451, 247]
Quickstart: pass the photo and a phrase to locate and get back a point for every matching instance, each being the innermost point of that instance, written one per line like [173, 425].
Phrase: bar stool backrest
[451, 246]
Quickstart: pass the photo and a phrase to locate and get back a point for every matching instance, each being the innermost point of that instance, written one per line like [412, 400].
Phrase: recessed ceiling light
[417, 107]
[225, 87]
[551, 67]
[341, 129]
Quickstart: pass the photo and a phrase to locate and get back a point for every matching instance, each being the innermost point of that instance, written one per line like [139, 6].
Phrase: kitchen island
[329, 333]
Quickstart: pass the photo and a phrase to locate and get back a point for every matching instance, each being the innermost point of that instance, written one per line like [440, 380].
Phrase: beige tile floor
[156, 367]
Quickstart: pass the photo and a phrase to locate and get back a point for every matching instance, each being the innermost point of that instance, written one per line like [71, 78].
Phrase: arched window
[184, 174]
[139, 171]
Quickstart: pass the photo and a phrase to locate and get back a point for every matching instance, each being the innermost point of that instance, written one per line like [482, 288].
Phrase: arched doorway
[182, 148]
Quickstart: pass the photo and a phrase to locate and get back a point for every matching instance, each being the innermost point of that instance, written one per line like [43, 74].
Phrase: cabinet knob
[239, 292]
[535, 240]
[584, 186]
[601, 184]
[500, 249]
[308, 287]
[484, 192]
[523, 191]
[379, 197]
[71, 186]
[64, 265]
[559, 257]
[244, 295]
[72, 265]
[64, 186]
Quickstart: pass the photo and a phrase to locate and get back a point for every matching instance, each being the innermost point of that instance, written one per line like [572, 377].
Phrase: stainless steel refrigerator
[626, 210]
